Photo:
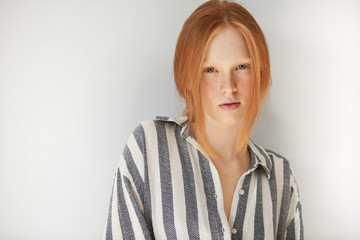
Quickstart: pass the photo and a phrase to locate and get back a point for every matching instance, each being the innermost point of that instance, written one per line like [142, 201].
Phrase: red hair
[195, 36]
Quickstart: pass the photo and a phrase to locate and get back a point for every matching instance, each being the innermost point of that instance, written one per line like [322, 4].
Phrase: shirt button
[215, 196]
[223, 229]
[233, 231]
[241, 192]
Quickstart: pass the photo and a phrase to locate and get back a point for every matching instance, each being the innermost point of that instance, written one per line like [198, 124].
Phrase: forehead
[227, 44]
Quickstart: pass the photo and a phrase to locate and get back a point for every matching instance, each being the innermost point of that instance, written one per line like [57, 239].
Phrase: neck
[223, 141]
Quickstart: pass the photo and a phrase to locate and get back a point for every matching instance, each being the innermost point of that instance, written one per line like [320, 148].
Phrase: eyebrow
[244, 60]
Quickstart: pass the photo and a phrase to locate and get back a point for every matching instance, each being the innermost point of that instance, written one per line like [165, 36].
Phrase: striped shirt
[165, 187]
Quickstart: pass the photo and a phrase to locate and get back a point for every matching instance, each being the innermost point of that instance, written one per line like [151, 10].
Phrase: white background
[76, 77]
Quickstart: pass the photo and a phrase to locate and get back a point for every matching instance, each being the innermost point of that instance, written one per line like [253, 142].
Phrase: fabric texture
[165, 187]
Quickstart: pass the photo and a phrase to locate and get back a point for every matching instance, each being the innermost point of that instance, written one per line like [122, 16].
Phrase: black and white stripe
[166, 188]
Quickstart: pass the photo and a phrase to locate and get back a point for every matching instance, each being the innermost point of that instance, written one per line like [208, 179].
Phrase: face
[226, 79]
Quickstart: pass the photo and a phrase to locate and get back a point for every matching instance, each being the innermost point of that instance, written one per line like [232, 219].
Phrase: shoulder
[150, 136]
[274, 162]
[282, 169]
[148, 133]
[279, 168]
[148, 129]
[280, 162]
[277, 157]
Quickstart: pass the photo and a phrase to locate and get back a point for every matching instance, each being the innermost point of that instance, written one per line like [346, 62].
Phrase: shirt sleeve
[126, 210]
[295, 228]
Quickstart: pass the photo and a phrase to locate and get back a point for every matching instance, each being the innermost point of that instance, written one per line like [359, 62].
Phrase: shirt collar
[259, 156]
[182, 122]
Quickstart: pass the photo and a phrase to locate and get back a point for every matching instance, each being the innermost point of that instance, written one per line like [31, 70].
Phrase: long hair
[198, 30]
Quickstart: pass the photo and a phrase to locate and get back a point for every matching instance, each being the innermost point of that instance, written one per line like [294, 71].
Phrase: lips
[229, 106]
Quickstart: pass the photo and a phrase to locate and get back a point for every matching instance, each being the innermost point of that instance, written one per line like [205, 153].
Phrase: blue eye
[210, 69]
[242, 67]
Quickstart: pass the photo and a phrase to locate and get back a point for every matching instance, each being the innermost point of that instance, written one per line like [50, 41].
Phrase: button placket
[241, 192]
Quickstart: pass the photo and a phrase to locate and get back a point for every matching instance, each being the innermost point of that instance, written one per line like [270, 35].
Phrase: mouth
[229, 106]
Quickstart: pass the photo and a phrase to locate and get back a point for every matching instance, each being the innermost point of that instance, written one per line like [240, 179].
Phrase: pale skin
[225, 90]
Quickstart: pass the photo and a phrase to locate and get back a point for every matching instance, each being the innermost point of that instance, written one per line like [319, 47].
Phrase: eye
[209, 69]
[242, 67]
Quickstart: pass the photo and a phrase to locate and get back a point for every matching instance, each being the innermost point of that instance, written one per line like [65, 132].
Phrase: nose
[227, 84]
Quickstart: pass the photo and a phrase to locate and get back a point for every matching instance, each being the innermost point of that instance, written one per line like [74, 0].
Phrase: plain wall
[76, 77]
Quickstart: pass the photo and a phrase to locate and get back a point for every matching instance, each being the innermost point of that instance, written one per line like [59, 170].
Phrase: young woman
[199, 176]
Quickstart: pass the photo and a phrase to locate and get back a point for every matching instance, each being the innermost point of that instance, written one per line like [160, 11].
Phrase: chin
[225, 119]
[234, 121]
[231, 123]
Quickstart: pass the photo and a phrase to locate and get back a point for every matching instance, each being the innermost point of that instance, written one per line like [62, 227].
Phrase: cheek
[244, 85]
[208, 90]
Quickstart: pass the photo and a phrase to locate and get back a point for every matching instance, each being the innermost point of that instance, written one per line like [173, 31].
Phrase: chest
[229, 179]
[193, 208]
[185, 197]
